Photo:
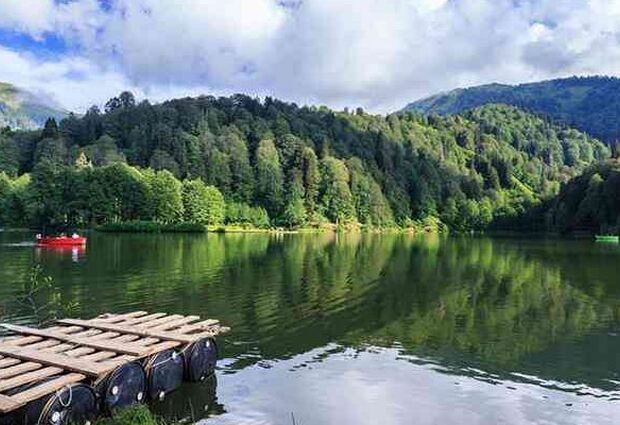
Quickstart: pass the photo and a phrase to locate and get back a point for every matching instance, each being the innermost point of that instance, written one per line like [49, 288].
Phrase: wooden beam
[161, 321]
[131, 349]
[71, 364]
[116, 317]
[47, 388]
[164, 336]
[7, 404]
[200, 326]
[29, 377]
[8, 362]
[22, 367]
[143, 320]
[174, 323]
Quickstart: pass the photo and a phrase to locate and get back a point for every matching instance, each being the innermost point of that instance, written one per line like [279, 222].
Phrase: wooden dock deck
[38, 362]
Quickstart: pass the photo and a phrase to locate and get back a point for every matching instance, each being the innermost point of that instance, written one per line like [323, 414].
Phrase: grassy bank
[138, 415]
[425, 226]
[151, 227]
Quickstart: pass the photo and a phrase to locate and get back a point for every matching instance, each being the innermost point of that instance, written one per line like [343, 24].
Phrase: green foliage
[589, 202]
[139, 226]
[294, 214]
[335, 194]
[138, 415]
[202, 204]
[9, 156]
[104, 152]
[245, 215]
[165, 202]
[269, 177]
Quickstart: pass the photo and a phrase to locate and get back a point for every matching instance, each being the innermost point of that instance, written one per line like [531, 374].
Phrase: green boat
[607, 238]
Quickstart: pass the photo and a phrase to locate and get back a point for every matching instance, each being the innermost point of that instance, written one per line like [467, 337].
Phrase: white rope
[163, 362]
[59, 393]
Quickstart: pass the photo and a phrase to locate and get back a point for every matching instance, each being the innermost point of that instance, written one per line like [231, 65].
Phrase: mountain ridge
[23, 110]
[590, 104]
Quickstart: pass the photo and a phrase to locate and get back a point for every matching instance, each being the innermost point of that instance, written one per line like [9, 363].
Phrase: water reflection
[541, 313]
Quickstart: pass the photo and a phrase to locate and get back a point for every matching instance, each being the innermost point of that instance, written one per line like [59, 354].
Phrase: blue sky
[378, 54]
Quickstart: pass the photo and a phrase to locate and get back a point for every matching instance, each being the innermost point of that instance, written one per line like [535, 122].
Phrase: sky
[377, 54]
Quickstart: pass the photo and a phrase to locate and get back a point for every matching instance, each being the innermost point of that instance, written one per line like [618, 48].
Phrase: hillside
[300, 165]
[20, 109]
[590, 104]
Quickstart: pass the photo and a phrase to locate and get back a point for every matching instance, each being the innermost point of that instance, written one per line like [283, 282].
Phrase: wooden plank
[99, 355]
[85, 342]
[7, 362]
[200, 326]
[9, 372]
[174, 323]
[46, 343]
[165, 336]
[163, 346]
[23, 340]
[47, 388]
[118, 317]
[144, 320]
[52, 359]
[132, 320]
[29, 377]
[7, 404]
[79, 352]
[158, 322]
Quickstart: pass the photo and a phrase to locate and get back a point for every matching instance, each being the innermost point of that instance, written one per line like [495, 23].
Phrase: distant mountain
[590, 104]
[20, 109]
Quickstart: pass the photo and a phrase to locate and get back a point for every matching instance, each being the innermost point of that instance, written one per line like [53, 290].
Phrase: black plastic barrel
[200, 360]
[164, 373]
[13, 418]
[74, 404]
[123, 387]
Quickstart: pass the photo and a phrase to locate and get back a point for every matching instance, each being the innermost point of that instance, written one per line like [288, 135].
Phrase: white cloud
[74, 82]
[32, 17]
[376, 53]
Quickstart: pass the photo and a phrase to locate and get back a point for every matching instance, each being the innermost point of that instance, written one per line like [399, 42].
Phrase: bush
[243, 215]
[138, 226]
[138, 415]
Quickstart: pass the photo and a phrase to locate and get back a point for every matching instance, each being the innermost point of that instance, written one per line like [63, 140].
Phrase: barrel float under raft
[191, 403]
[164, 373]
[123, 387]
[200, 360]
[74, 404]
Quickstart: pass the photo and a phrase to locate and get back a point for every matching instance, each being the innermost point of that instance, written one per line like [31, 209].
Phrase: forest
[268, 163]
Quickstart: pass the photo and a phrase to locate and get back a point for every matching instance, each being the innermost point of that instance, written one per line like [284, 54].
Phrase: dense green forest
[590, 104]
[589, 202]
[270, 163]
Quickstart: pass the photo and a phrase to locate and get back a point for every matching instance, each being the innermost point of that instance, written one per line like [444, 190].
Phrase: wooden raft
[86, 350]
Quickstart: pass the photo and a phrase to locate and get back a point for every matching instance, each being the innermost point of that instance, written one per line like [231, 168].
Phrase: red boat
[61, 241]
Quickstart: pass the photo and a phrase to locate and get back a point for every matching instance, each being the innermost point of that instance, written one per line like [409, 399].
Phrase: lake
[361, 329]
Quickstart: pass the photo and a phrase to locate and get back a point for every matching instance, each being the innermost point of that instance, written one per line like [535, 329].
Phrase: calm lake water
[363, 329]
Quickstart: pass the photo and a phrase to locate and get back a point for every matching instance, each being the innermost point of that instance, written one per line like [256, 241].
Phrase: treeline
[589, 202]
[299, 165]
[58, 195]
